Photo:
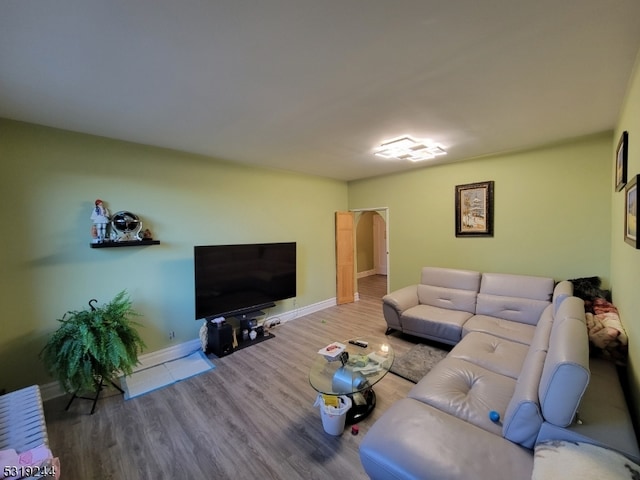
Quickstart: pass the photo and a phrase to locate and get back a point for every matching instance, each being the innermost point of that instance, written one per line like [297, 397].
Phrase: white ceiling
[314, 85]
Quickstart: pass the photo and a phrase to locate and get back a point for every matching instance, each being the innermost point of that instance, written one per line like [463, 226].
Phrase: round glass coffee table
[363, 363]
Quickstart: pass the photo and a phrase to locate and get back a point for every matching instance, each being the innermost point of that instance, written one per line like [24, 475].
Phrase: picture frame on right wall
[621, 161]
[631, 213]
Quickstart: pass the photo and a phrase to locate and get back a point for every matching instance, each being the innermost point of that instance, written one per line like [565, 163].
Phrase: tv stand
[243, 324]
[249, 315]
[247, 343]
[227, 338]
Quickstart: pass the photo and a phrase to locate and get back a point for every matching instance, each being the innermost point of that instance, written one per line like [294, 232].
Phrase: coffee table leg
[362, 404]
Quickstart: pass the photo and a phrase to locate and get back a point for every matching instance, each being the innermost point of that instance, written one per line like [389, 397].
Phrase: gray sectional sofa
[521, 349]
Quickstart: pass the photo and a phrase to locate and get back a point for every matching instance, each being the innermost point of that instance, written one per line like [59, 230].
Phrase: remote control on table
[359, 343]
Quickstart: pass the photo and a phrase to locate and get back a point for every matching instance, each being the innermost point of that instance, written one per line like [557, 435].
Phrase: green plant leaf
[92, 344]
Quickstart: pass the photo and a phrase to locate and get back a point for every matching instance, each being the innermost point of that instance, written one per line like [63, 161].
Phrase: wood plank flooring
[251, 417]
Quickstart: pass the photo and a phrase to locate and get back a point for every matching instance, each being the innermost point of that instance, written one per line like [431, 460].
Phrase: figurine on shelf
[100, 217]
[146, 234]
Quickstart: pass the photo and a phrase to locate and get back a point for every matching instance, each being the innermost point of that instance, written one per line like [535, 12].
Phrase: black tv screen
[234, 280]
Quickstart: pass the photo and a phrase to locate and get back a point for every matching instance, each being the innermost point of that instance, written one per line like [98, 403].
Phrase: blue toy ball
[494, 416]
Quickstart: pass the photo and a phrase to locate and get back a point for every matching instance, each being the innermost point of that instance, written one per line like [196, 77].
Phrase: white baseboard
[302, 311]
[366, 273]
[151, 359]
[167, 354]
[52, 390]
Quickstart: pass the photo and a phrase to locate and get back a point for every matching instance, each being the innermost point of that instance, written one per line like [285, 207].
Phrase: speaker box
[219, 339]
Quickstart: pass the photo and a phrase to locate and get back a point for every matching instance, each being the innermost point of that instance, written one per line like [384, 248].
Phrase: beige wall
[50, 179]
[552, 207]
[625, 260]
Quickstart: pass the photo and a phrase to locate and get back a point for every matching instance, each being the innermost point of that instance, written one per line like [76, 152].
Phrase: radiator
[22, 425]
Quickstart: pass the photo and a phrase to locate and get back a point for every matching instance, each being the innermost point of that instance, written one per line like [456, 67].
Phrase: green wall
[555, 214]
[552, 209]
[50, 179]
[625, 260]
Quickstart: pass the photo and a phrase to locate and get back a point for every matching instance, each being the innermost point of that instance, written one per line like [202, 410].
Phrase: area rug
[417, 362]
[154, 378]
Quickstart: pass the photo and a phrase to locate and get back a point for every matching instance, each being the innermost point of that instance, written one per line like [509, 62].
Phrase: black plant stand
[100, 385]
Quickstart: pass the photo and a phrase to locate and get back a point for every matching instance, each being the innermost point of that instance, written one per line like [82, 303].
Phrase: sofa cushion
[572, 307]
[522, 419]
[516, 309]
[434, 322]
[466, 391]
[451, 278]
[449, 298]
[521, 286]
[566, 368]
[493, 353]
[562, 291]
[514, 331]
[540, 340]
[413, 440]
[520, 298]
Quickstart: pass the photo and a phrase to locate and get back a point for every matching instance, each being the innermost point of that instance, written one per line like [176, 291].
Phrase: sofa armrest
[402, 299]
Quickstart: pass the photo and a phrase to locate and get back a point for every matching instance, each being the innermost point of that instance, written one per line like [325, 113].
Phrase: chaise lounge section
[521, 349]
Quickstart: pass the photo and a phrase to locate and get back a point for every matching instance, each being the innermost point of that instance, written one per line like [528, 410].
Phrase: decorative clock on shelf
[125, 227]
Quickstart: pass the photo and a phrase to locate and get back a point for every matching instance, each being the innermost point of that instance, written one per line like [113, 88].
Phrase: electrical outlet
[172, 335]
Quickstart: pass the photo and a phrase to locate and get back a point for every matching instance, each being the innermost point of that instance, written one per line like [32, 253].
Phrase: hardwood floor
[251, 417]
[373, 286]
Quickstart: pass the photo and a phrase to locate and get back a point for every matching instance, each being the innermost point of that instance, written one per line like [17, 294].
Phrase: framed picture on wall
[631, 213]
[621, 161]
[474, 210]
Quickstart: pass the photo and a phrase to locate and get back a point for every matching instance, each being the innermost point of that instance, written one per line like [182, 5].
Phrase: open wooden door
[380, 252]
[345, 262]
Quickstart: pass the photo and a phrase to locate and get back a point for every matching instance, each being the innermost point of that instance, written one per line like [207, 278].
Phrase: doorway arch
[372, 253]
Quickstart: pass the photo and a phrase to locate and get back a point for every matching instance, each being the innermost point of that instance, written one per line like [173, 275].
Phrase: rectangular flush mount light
[408, 148]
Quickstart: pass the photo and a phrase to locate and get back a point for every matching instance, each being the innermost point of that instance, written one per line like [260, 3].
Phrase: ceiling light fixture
[408, 148]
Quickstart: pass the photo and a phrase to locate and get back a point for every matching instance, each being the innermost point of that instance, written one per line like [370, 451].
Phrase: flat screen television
[236, 280]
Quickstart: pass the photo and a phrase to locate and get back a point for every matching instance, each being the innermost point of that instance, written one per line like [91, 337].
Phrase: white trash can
[333, 418]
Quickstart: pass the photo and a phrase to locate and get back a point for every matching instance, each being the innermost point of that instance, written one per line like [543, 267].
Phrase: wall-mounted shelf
[132, 243]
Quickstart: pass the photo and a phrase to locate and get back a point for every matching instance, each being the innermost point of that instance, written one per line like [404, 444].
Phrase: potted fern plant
[93, 345]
